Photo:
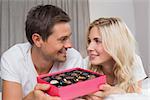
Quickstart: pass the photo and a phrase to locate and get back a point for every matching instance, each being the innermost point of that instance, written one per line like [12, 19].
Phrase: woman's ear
[37, 39]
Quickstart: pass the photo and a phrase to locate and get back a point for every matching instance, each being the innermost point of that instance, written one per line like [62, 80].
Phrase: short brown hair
[42, 18]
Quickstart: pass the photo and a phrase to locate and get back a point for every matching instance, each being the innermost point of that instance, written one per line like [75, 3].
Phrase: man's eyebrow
[64, 36]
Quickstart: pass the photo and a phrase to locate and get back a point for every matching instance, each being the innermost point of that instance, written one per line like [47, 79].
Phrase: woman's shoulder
[139, 72]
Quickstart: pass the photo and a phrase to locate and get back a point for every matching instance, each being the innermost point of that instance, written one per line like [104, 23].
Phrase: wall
[149, 36]
[120, 8]
[142, 31]
[136, 15]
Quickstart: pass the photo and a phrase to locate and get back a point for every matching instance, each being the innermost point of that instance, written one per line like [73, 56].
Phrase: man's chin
[63, 59]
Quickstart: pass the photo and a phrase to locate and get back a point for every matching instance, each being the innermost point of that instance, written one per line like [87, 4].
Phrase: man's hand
[39, 94]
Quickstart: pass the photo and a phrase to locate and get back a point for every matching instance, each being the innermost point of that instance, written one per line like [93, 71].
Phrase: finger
[99, 94]
[105, 87]
[97, 98]
[38, 95]
[53, 98]
[42, 87]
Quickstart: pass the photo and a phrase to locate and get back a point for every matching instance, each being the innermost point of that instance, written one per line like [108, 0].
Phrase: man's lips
[62, 53]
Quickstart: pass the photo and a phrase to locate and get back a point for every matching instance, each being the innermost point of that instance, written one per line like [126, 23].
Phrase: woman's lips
[92, 56]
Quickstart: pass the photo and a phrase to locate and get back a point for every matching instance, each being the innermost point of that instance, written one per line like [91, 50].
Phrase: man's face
[55, 47]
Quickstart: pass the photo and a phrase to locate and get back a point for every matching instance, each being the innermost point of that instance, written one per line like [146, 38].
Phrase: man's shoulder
[16, 50]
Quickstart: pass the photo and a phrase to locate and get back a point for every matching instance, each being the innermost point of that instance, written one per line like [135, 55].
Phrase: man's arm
[11, 91]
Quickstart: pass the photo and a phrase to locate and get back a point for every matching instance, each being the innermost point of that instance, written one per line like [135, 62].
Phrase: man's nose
[68, 44]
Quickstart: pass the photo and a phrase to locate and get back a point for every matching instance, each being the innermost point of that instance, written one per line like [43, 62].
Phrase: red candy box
[72, 83]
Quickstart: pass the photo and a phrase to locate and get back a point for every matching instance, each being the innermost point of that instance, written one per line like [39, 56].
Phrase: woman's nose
[90, 46]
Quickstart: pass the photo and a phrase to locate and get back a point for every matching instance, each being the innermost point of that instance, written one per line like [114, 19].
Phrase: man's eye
[64, 39]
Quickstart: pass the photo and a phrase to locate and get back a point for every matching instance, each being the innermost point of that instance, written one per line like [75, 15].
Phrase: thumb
[42, 87]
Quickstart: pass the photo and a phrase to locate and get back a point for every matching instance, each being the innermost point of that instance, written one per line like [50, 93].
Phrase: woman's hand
[106, 90]
[89, 97]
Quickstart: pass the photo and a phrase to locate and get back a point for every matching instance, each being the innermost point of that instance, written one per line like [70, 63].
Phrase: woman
[111, 49]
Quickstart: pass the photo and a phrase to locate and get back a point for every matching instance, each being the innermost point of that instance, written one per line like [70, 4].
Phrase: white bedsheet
[146, 87]
[128, 96]
[145, 95]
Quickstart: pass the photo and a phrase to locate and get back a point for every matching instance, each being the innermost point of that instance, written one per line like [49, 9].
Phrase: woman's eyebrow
[99, 38]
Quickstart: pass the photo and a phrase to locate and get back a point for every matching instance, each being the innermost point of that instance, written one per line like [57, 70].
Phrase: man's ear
[37, 39]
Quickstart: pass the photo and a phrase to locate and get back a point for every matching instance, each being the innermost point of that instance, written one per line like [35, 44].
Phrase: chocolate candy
[77, 71]
[62, 75]
[82, 78]
[91, 77]
[58, 77]
[54, 82]
[47, 79]
[67, 81]
[85, 73]
[74, 74]
[67, 78]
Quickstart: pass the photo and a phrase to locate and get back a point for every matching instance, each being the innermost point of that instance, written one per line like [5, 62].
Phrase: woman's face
[96, 52]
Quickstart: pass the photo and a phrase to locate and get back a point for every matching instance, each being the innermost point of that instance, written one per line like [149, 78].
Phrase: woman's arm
[106, 90]
[139, 87]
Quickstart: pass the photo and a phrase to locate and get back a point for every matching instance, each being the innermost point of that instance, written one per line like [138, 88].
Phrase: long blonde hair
[118, 42]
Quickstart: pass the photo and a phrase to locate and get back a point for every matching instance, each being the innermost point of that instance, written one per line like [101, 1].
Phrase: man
[49, 50]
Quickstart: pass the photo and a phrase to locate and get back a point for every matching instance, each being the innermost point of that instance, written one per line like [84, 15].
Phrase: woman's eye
[89, 41]
[98, 41]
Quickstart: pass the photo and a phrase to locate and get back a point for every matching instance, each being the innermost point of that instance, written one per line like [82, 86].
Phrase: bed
[145, 95]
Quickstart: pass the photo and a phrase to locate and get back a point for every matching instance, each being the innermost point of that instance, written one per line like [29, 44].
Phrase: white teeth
[63, 52]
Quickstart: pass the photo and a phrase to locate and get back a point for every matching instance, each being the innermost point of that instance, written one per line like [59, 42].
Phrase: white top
[17, 65]
[138, 72]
